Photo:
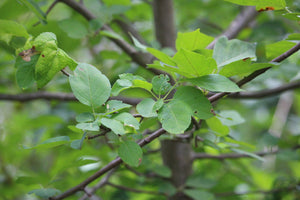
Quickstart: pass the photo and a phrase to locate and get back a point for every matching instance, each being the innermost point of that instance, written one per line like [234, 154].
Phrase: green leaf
[175, 116]
[45, 192]
[77, 144]
[25, 74]
[34, 7]
[74, 28]
[240, 143]
[92, 126]
[128, 120]
[145, 108]
[248, 154]
[51, 61]
[242, 68]
[40, 42]
[85, 117]
[192, 40]
[198, 181]
[196, 100]
[194, 64]
[199, 194]
[278, 48]
[216, 125]
[215, 82]
[52, 142]
[167, 68]
[161, 84]
[115, 106]
[161, 56]
[127, 81]
[115, 125]
[131, 153]
[228, 51]
[89, 85]
[10, 28]
[162, 171]
[110, 34]
[230, 117]
[277, 4]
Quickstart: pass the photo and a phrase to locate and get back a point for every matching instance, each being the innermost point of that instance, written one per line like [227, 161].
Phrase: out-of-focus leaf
[74, 28]
[199, 194]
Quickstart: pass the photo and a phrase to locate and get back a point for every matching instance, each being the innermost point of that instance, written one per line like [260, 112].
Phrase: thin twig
[48, 11]
[258, 72]
[265, 93]
[65, 72]
[116, 162]
[99, 185]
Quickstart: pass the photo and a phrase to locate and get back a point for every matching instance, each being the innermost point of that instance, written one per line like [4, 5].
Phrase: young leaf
[74, 28]
[216, 83]
[40, 42]
[216, 125]
[175, 116]
[10, 28]
[92, 126]
[192, 40]
[128, 120]
[77, 144]
[242, 68]
[52, 142]
[248, 153]
[115, 125]
[161, 84]
[261, 4]
[228, 51]
[161, 56]
[194, 64]
[85, 117]
[34, 7]
[127, 81]
[131, 153]
[230, 117]
[115, 106]
[196, 100]
[25, 74]
[45, 192]
[145, 108]
[278, 48]
[199, 194]
[89, 85]
[51, 61]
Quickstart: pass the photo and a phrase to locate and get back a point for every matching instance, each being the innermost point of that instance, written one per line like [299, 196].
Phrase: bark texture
[175, 154]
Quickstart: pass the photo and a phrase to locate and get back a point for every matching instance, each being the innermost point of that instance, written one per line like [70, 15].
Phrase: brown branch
[48, 11]
[238, 24]
[140, 58]
[265, 93]
[56, 96]
[116, 162]
[135, 190]
[99, 185]
[258, 72]
[165, 31]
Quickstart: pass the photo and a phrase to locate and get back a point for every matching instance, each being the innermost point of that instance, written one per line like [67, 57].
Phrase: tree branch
[265, 93]
[238, 24]
[116, 162]
[56, 96]
[258, 72]
[140, 58]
